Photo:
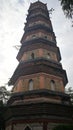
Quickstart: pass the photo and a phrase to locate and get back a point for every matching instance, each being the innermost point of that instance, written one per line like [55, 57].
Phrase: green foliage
[67, 6]
[70, 92]
[4, 95]
[1, 103]
[64, 127]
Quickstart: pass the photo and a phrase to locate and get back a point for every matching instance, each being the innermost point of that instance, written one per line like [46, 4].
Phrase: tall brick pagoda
[39, 57]
[38, 101]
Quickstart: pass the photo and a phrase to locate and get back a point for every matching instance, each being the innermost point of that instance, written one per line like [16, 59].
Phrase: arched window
[48, 56]
[33, 36]
[27, 128]
[52, 84]
[30, 87]
[45, 37]
[32, 55]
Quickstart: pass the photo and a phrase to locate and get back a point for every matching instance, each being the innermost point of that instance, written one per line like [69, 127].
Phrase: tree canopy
[4, 95]
[67, 6]
[70, 92]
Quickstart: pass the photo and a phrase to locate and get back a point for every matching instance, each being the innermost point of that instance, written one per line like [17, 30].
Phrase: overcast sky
[13, 15]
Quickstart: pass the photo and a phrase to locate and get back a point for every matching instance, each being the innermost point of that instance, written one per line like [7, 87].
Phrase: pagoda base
[39, 115]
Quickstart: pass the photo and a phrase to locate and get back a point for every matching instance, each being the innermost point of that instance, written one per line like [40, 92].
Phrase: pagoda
[38, 101]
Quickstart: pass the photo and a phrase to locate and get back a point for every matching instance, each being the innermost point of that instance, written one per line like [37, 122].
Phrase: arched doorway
[27, 128]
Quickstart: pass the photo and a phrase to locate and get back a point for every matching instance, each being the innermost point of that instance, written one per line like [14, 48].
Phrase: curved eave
[37, 27]
[38, 111]
[38, 66]
[38, 93]
[38, 39]
[36, 16]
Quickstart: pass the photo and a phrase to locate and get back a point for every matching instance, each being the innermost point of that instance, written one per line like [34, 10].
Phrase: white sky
[12, 18]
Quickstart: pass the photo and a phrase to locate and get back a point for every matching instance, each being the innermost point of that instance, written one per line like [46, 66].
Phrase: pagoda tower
[39, 57]
[38, 101]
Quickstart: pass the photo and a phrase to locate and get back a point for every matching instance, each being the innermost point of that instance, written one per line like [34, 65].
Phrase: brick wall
[39, 53]
[40, 81]
[37, 34]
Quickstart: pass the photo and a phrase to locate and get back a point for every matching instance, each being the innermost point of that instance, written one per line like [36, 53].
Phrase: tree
[70, 92]
[67, 6]
[4, 95]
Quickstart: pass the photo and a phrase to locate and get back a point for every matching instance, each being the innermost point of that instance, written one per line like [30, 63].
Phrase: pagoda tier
[38, 28]
[38, 66]
[38, 43]
[39, 19]
[26, 110]
[40, 96]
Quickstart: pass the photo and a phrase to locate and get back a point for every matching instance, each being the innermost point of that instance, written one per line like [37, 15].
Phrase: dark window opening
[48, 56]
[52, 83]
[33, 36]
[30, 84]
[46, 37]
[32, 55]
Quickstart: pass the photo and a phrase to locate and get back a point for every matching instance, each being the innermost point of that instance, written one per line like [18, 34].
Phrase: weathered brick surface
[40, 81]
[38, 53]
